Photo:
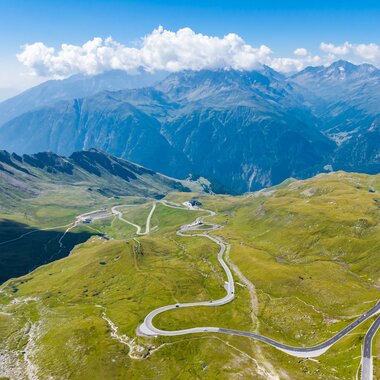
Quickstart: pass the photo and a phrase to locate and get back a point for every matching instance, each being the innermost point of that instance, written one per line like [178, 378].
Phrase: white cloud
[289, 65]
[160, 50]
[358, 52]
[174, 51]
[93, 57]
[343, 49]
[300, 51]
[369, 52]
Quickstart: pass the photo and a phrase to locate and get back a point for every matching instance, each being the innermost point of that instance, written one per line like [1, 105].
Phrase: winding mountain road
[367, 363]
[197, 229]
[147, 328]
[119, 215]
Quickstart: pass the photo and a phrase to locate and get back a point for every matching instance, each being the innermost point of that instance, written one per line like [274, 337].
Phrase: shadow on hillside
[21, 256]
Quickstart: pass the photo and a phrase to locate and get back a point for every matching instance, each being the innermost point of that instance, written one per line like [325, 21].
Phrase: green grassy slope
[308, 254]
[311, 250]
[48, 191]
[122, 281]
[92, 172]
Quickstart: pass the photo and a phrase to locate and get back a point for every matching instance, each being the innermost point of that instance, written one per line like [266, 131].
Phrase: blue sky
[281, 25]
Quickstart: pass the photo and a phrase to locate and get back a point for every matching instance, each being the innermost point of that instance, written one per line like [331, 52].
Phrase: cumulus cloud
[300, 51]
[160, 50]
[329, 48]
[174, 51]
[359, 52]
[289, 65]
[369, 51]
[92, 57]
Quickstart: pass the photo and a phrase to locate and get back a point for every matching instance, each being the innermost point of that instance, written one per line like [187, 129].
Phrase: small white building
[192, 203]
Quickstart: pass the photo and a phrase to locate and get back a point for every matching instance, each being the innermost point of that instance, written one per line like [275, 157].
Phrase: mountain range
[243, 130]
[76, 86]
[41, 191]
[28, 176]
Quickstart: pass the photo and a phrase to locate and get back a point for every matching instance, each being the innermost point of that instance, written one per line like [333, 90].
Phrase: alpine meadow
[199, 200]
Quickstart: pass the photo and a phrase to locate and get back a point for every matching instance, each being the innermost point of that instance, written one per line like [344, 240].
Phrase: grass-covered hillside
[310, 250]
[41, 195]
[305, 262]
[94, 172]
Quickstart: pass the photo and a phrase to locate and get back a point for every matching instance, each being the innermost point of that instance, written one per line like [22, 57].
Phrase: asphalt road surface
[148, 329]
[119, 214]
[367, 365]
[197, 228]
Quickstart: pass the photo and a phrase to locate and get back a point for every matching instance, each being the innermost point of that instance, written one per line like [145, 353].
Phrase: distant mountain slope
[76, 86]
[264, 89]
[93, 171]
[243, 130]
[348, 94]
[361, 152]
[347, 105]
[102, 121]
[328, 81]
